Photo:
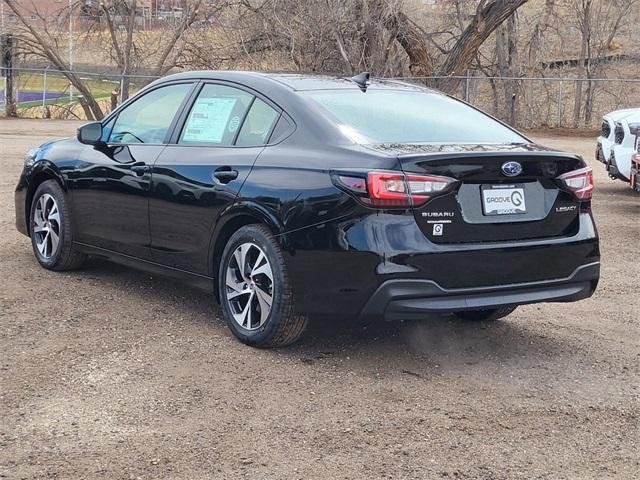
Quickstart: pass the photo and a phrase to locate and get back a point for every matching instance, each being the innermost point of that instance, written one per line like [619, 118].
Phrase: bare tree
[397, 38]
[121, 47]
[116, 27]
[132, 48]
[507, 58]
[488, 16]
[598, 22]
[353, 35]
[41, 41]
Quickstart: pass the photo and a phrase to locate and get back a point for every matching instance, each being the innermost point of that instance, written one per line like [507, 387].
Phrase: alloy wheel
[249, 286]
[46, 229]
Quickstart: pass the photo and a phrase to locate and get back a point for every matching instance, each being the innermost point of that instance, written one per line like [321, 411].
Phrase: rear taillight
[580, 182]
[393, 189]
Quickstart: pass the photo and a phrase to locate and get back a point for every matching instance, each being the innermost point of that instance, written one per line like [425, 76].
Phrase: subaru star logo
[511, 169]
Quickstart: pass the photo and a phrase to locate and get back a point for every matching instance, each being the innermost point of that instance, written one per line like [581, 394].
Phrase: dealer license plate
[503, 199]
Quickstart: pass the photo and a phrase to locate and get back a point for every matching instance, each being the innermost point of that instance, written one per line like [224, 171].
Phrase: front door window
[147, 120]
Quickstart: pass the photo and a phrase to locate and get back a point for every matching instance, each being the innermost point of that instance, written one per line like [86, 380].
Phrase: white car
[625, 133]
[606, 140]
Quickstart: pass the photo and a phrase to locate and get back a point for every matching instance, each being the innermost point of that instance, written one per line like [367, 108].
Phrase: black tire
[488, 315]
[282, 326]
[65, 255]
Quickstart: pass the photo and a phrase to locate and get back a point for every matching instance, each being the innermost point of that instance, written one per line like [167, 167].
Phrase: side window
[257, 125]
[215, 116]
[282, 130]
[148, 119]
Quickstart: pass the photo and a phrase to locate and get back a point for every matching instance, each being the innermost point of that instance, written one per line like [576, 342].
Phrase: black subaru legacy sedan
[293, 195]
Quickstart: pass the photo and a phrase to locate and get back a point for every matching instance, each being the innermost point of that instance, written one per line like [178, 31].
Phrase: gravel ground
[110, 373]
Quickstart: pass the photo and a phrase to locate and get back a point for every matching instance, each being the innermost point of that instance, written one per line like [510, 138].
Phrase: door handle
[140, 168]
[225, 174]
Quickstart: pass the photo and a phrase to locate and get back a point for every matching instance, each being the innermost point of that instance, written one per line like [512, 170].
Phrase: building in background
[149, 13]
[36, 11]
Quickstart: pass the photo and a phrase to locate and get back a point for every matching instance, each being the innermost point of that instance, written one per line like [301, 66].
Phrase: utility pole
[8, 50]
[70, 46]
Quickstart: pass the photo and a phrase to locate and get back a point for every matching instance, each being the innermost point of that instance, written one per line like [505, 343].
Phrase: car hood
[54, 141]
[57, 142]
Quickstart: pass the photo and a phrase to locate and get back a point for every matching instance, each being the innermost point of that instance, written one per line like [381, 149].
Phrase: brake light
[393, 189]
[580, 182]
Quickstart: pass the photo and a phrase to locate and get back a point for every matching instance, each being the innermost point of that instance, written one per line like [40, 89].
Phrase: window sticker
[234, 123]
[208, 120]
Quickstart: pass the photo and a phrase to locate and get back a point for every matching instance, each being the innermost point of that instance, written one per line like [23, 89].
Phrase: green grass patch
[59, 83]
[57, 101]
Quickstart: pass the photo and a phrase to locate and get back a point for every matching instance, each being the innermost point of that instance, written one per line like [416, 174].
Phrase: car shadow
[411, 347]
[618, 188]
[435, 341]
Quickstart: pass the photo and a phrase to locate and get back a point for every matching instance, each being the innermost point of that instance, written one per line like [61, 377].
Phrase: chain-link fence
[525, 102]
[536, 102]
[47, 92]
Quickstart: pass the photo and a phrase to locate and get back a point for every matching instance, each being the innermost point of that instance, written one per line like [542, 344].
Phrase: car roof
[284, 90]
[304, 82]
[631, 117]
[620, 114]
[294, 81]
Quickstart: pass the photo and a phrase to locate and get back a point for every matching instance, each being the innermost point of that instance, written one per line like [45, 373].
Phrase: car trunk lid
[503, 192]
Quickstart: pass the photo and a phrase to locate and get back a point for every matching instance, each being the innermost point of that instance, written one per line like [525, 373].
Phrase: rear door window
[216, 116]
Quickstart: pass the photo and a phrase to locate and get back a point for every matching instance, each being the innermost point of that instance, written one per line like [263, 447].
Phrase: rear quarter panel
[292, 190]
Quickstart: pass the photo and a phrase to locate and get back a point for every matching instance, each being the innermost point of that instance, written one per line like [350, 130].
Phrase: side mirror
[90, 134]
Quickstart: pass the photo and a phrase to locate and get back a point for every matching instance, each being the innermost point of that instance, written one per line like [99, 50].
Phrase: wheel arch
[238, 215]
[42, 171]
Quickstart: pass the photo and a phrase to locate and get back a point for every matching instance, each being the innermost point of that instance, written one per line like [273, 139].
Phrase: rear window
[392, 116]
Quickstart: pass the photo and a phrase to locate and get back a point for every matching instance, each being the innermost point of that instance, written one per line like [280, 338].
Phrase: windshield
[393, 116]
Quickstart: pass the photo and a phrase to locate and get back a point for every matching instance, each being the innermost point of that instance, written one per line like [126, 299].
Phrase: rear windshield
[392, 116]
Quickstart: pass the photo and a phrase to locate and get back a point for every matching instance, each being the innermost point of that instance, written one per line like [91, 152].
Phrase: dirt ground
[110, 373]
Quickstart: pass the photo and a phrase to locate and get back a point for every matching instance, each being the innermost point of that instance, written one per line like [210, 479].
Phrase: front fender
[31, 177]
[45, 170]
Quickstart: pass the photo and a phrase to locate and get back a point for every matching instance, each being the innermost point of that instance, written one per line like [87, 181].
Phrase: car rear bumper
[603, 149]
[620, 162]
[383, 264]
[406, 299]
